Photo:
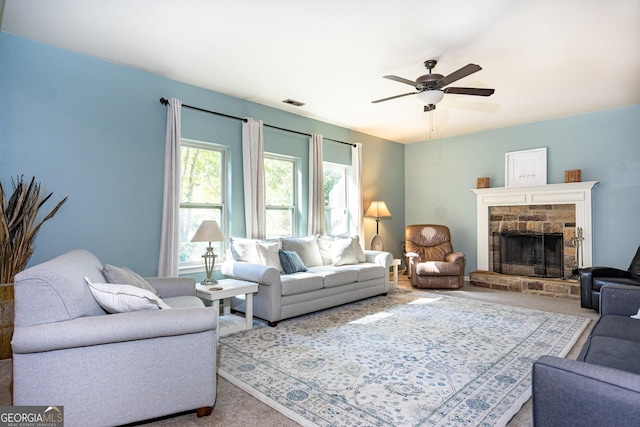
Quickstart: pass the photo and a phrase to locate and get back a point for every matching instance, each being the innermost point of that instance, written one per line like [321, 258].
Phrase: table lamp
[378, 210]
[209, 231]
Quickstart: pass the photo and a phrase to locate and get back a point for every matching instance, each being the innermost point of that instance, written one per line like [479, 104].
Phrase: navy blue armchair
[594, 278]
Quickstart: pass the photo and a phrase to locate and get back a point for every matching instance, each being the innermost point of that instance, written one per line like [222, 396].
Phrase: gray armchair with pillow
[111, 369]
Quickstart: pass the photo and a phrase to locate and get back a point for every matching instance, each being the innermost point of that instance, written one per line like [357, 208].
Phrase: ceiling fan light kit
[428, 97]
[431, 87]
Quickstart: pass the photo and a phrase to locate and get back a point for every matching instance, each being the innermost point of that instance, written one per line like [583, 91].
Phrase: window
[336, 202]
[202, 197]
[281, 190]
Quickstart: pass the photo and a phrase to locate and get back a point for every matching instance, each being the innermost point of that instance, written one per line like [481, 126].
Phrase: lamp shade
[378, 209]
[209, 231]
[430, 96]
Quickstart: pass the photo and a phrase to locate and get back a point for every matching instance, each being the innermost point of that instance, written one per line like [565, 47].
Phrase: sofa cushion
[437, 268]
[118, 298]
[268, 254]
[611, 352]
[621, 327]
[335, 276]
[291, 262]
[126, 276]
[368, 271]
[244, 250]
[306, 247]
[184, 301]
[298, 283]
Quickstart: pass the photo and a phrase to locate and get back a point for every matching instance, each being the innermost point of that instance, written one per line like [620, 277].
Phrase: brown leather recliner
[432, 262]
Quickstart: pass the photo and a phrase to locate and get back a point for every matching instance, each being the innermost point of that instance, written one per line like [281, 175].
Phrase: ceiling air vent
[293, 102]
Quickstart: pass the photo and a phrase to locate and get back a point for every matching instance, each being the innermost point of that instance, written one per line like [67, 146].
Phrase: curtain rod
[165, 101]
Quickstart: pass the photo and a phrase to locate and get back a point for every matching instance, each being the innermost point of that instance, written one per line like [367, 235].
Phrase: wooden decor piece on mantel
[573, 175]
[482, 182]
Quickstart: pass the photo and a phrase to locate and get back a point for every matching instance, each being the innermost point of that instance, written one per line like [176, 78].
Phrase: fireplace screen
[529, 254]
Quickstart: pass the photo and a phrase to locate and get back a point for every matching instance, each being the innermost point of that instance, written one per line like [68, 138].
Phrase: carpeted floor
[235, 408]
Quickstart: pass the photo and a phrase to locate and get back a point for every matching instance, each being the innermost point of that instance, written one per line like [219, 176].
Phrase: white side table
[229, 323]
[395, 263]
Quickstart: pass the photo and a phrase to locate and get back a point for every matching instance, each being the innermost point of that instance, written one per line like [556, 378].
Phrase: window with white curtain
[336, 199]
[202, 197]
[280, 195]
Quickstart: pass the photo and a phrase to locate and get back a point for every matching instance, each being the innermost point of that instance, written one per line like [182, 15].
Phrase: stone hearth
[563, 288]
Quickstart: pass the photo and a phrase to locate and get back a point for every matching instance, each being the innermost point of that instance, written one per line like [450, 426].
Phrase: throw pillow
[125, 276]
[116, 298]
[343, 252]
[268, 254]
[324, 244]
[244, 250]
[306, 248]
[291, 262]
[359, 252]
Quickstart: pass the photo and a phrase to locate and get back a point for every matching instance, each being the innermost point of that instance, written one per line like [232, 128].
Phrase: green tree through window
[336, 212]
[280, 188]
[201, 196]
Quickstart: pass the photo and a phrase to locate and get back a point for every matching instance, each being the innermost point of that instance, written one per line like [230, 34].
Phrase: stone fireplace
[525, 237]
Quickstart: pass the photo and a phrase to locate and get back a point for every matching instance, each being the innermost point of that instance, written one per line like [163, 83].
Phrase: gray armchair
[109, 369]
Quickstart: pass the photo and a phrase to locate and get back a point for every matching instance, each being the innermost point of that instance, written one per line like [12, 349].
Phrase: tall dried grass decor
[19, 225]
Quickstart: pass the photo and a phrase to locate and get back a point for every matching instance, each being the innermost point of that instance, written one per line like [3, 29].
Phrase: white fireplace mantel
[578, 193]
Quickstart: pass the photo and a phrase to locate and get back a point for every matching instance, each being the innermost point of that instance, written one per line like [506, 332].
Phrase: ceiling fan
[431, 87]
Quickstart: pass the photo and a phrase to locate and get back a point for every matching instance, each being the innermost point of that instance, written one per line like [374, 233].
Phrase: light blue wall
[605, 145]
[94, 131]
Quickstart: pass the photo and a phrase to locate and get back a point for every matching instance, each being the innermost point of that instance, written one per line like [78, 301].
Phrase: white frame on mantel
[525, 168]
[578, 193]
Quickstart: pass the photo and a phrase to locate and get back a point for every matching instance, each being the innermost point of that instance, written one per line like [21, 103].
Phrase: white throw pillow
[359, 252]
[244, 250]
[268, 254]
[306, 248]
[115, 298]
[343, 252]
[324, 244]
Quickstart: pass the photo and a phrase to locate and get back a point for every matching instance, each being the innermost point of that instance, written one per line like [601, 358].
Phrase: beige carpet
[235, 408]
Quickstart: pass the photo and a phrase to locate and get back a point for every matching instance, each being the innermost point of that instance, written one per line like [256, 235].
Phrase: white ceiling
[545, 58]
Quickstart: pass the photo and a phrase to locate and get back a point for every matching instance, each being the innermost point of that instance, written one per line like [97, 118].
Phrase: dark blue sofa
[601, 387]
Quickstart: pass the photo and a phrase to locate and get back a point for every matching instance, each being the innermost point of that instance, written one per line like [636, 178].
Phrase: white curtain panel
[168, 259]
[355, 191]
[253, 175]
[316, 185]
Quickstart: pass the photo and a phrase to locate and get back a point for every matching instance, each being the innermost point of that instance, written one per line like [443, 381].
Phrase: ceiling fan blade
[393, 97]
[469, 91]
[402, 80]
[457, 75]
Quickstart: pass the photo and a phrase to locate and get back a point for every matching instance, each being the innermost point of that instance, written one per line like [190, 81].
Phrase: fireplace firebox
[527, 253]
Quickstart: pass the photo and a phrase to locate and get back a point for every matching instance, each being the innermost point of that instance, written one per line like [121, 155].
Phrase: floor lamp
[209, 231]
[378, 210]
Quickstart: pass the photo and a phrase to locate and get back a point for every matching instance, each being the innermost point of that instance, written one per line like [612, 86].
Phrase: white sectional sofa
[335, 271]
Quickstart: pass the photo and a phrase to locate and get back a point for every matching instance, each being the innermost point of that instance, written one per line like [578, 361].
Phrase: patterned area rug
[407, 359]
